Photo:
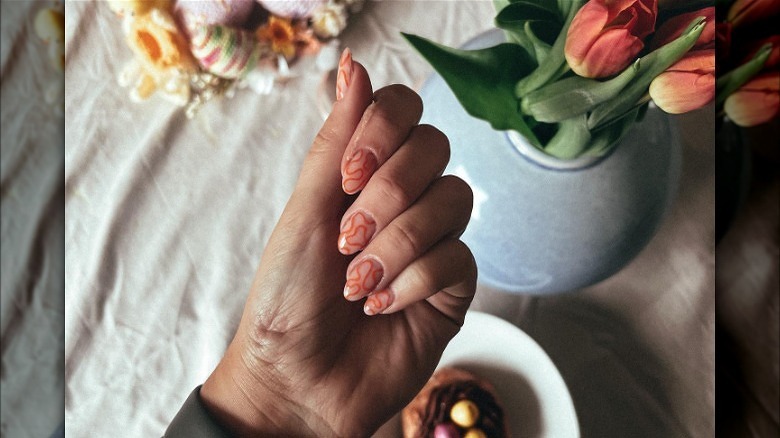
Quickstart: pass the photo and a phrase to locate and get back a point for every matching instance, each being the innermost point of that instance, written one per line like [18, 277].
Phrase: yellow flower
[158, 44]
[279, 32]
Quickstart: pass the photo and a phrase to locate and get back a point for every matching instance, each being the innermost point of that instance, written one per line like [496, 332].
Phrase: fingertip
[353, 85]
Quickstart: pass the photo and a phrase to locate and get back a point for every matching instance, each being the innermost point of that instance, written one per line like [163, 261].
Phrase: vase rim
[539, 158]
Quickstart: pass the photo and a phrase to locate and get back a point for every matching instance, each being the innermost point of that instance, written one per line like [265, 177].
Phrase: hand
[307, 361]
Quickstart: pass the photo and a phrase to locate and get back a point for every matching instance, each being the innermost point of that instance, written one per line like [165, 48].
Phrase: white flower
[329, 20]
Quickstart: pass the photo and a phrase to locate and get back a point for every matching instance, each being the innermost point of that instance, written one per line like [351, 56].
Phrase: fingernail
[344, 76]
[362, 279]
[378, 302]
[356, 233]
[357, 170]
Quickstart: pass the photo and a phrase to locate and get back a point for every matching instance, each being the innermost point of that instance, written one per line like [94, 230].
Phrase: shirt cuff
[194, 421]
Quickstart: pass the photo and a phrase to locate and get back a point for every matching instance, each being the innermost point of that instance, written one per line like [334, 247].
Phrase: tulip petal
[756, 102]
[612, 53]
[680, 92]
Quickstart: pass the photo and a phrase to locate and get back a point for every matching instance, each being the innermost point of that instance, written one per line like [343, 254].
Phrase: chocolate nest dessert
[454, 404]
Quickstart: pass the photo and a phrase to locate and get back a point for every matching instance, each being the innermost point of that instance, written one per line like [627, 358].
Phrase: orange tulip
[756, 102]
[687, 85]
[606, 35]
[672, 28]
[748, 11]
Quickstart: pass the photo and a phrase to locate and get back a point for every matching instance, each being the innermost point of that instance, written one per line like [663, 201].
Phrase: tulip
[748, 11]
[672, 28]
[756, 102]
[605, 36]
[687, 85]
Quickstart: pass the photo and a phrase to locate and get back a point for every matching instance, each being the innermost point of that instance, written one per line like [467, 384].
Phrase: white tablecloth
[166, 219]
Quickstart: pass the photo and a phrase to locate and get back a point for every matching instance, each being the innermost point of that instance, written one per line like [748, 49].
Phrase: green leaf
[608, 136]
[516, 18]
[553, 62]
[483, 80]
[541, 48]
[574, 95]
[572, 137]
[731, 81]
[651, 65]
[564, 7]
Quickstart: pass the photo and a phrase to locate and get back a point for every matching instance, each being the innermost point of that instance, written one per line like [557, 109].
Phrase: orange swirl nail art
[357, 170]
[378, 302]
[362, 279]
[356, 233]
[344, 75]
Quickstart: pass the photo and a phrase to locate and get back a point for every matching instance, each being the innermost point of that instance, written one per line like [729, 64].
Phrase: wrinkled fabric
[166, 219]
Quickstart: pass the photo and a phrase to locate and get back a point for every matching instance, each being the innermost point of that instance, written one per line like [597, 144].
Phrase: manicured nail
[344, 76]
[378, 302]
[362, 279]
[357, 170]
[356, 233]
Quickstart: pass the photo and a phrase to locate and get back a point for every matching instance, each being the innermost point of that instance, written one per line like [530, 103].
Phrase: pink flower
[672, 28]
[606, 35]
[687, 85]
[756, 102]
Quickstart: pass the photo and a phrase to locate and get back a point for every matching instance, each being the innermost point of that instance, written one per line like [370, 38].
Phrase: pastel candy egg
[292, 8]
[474, 433]
[224, 51]
[233, 13]
[464, 413]
[445, 430]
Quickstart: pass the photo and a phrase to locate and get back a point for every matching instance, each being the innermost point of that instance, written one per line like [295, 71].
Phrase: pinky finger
[445, 276]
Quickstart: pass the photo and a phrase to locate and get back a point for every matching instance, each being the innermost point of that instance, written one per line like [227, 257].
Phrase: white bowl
[535, 398]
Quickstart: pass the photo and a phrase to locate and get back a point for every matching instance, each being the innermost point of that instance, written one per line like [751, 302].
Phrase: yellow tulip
[687, 85]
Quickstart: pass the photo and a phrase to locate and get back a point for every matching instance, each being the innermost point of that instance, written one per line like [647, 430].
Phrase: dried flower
[329, 20]
[281, 35]
[687, 85]
[158, 44]
[606, 35]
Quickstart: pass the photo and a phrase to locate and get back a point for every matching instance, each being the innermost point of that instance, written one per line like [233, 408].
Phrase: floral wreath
[189, 51]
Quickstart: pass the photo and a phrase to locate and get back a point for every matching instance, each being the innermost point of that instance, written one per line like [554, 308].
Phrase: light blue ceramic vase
[542, 225]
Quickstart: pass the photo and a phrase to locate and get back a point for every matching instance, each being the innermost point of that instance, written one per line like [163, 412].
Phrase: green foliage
[483, 80]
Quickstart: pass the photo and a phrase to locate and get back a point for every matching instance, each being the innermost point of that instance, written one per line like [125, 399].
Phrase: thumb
[319, 189]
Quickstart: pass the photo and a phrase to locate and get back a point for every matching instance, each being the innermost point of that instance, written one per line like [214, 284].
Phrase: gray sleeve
[194, 421]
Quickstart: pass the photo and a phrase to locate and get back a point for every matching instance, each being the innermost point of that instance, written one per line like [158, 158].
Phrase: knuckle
[382, 116]
[399, 94]
[405, 238]
[393, 190]
[436, 142]
[458, 190]
[322, 141]
[422, 277]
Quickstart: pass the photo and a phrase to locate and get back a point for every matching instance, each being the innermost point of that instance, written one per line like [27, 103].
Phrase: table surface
[166, 219]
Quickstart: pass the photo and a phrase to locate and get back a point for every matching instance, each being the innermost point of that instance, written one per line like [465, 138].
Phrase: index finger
[319, 184]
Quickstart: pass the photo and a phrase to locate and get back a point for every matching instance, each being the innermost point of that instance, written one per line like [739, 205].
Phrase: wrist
[246, 405]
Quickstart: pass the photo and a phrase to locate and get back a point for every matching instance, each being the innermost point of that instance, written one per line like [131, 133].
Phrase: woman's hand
[309, 359]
